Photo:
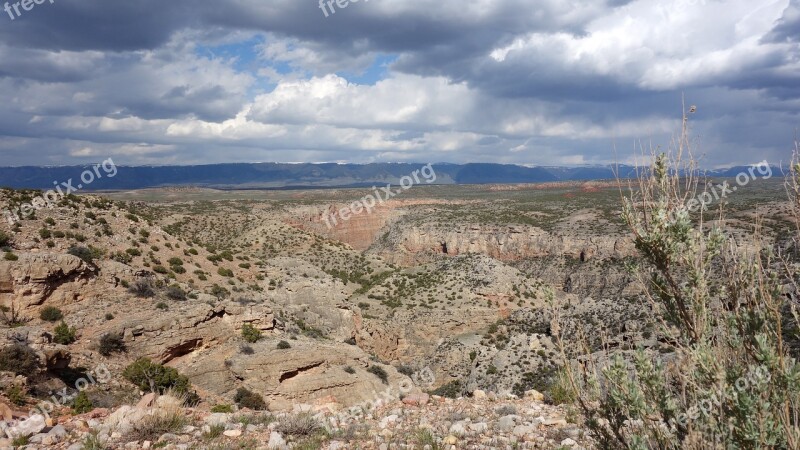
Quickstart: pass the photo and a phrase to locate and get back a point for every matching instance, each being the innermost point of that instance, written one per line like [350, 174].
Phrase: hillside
[440, 304]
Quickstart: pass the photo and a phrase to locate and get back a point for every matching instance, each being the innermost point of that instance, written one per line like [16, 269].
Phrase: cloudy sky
[546, 82]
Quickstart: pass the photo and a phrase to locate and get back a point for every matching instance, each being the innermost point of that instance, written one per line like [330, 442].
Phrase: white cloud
[486, 80]
[402, 102]
[668, 47]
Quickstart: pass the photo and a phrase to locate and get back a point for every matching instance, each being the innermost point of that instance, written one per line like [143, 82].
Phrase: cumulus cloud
[577, 82]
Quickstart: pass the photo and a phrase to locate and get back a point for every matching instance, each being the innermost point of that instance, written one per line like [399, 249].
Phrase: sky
[544, 82]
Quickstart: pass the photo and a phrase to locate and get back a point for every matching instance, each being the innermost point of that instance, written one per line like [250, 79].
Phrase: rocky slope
[485, 421]
[263, 297]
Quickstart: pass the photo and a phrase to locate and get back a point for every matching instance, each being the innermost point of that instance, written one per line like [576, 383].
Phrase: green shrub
[222, 409]
[248, 399]
[283, 345]
[87, 254]
[215, 431]
[4, 239]
[541, 380]
[162, 306]
[174, 292]
[453, 389]
[153, 377]
[121, 257]
[175, 261]
[299, 425]
[10, 257]
[559, 391]
[63, 334]
[16, 395]
[142, 288]
[160, 269]
[50, 314]
[380, 373]
[111, 343]
[219, 291]
[250, 333]
[350, 370]
[20, 359]
[424, 438]
[81, 404]
[94, 441]
[729, 380]
[165, 420]
[405, 370]
[225, 272]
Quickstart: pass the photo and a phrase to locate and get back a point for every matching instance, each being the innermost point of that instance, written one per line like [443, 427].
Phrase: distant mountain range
[296, 176]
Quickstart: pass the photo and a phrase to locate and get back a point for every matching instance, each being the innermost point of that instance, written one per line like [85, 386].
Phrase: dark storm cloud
[787, 29]
[109, 25]
[549, 81]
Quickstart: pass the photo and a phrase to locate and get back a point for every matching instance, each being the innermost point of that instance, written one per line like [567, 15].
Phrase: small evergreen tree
[64, 334]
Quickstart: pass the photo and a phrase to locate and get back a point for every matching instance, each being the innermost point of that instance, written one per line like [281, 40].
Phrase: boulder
[146, 401]
[28, 427]
[534, 395]
[276, 441]
[35, 277]
[57, 358]
[6, 412]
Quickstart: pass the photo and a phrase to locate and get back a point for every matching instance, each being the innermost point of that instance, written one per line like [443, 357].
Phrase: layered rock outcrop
[505, 243]
[37, 277]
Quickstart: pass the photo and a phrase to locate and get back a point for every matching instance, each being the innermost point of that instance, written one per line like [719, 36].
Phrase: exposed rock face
[319, 300]
[57, 358]
[204, 342]
[36, 277]
[410, 336]
[167, 337]
[359, 230]
[598, 278]
[503, 242]
[113, 272]
[307, 372]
